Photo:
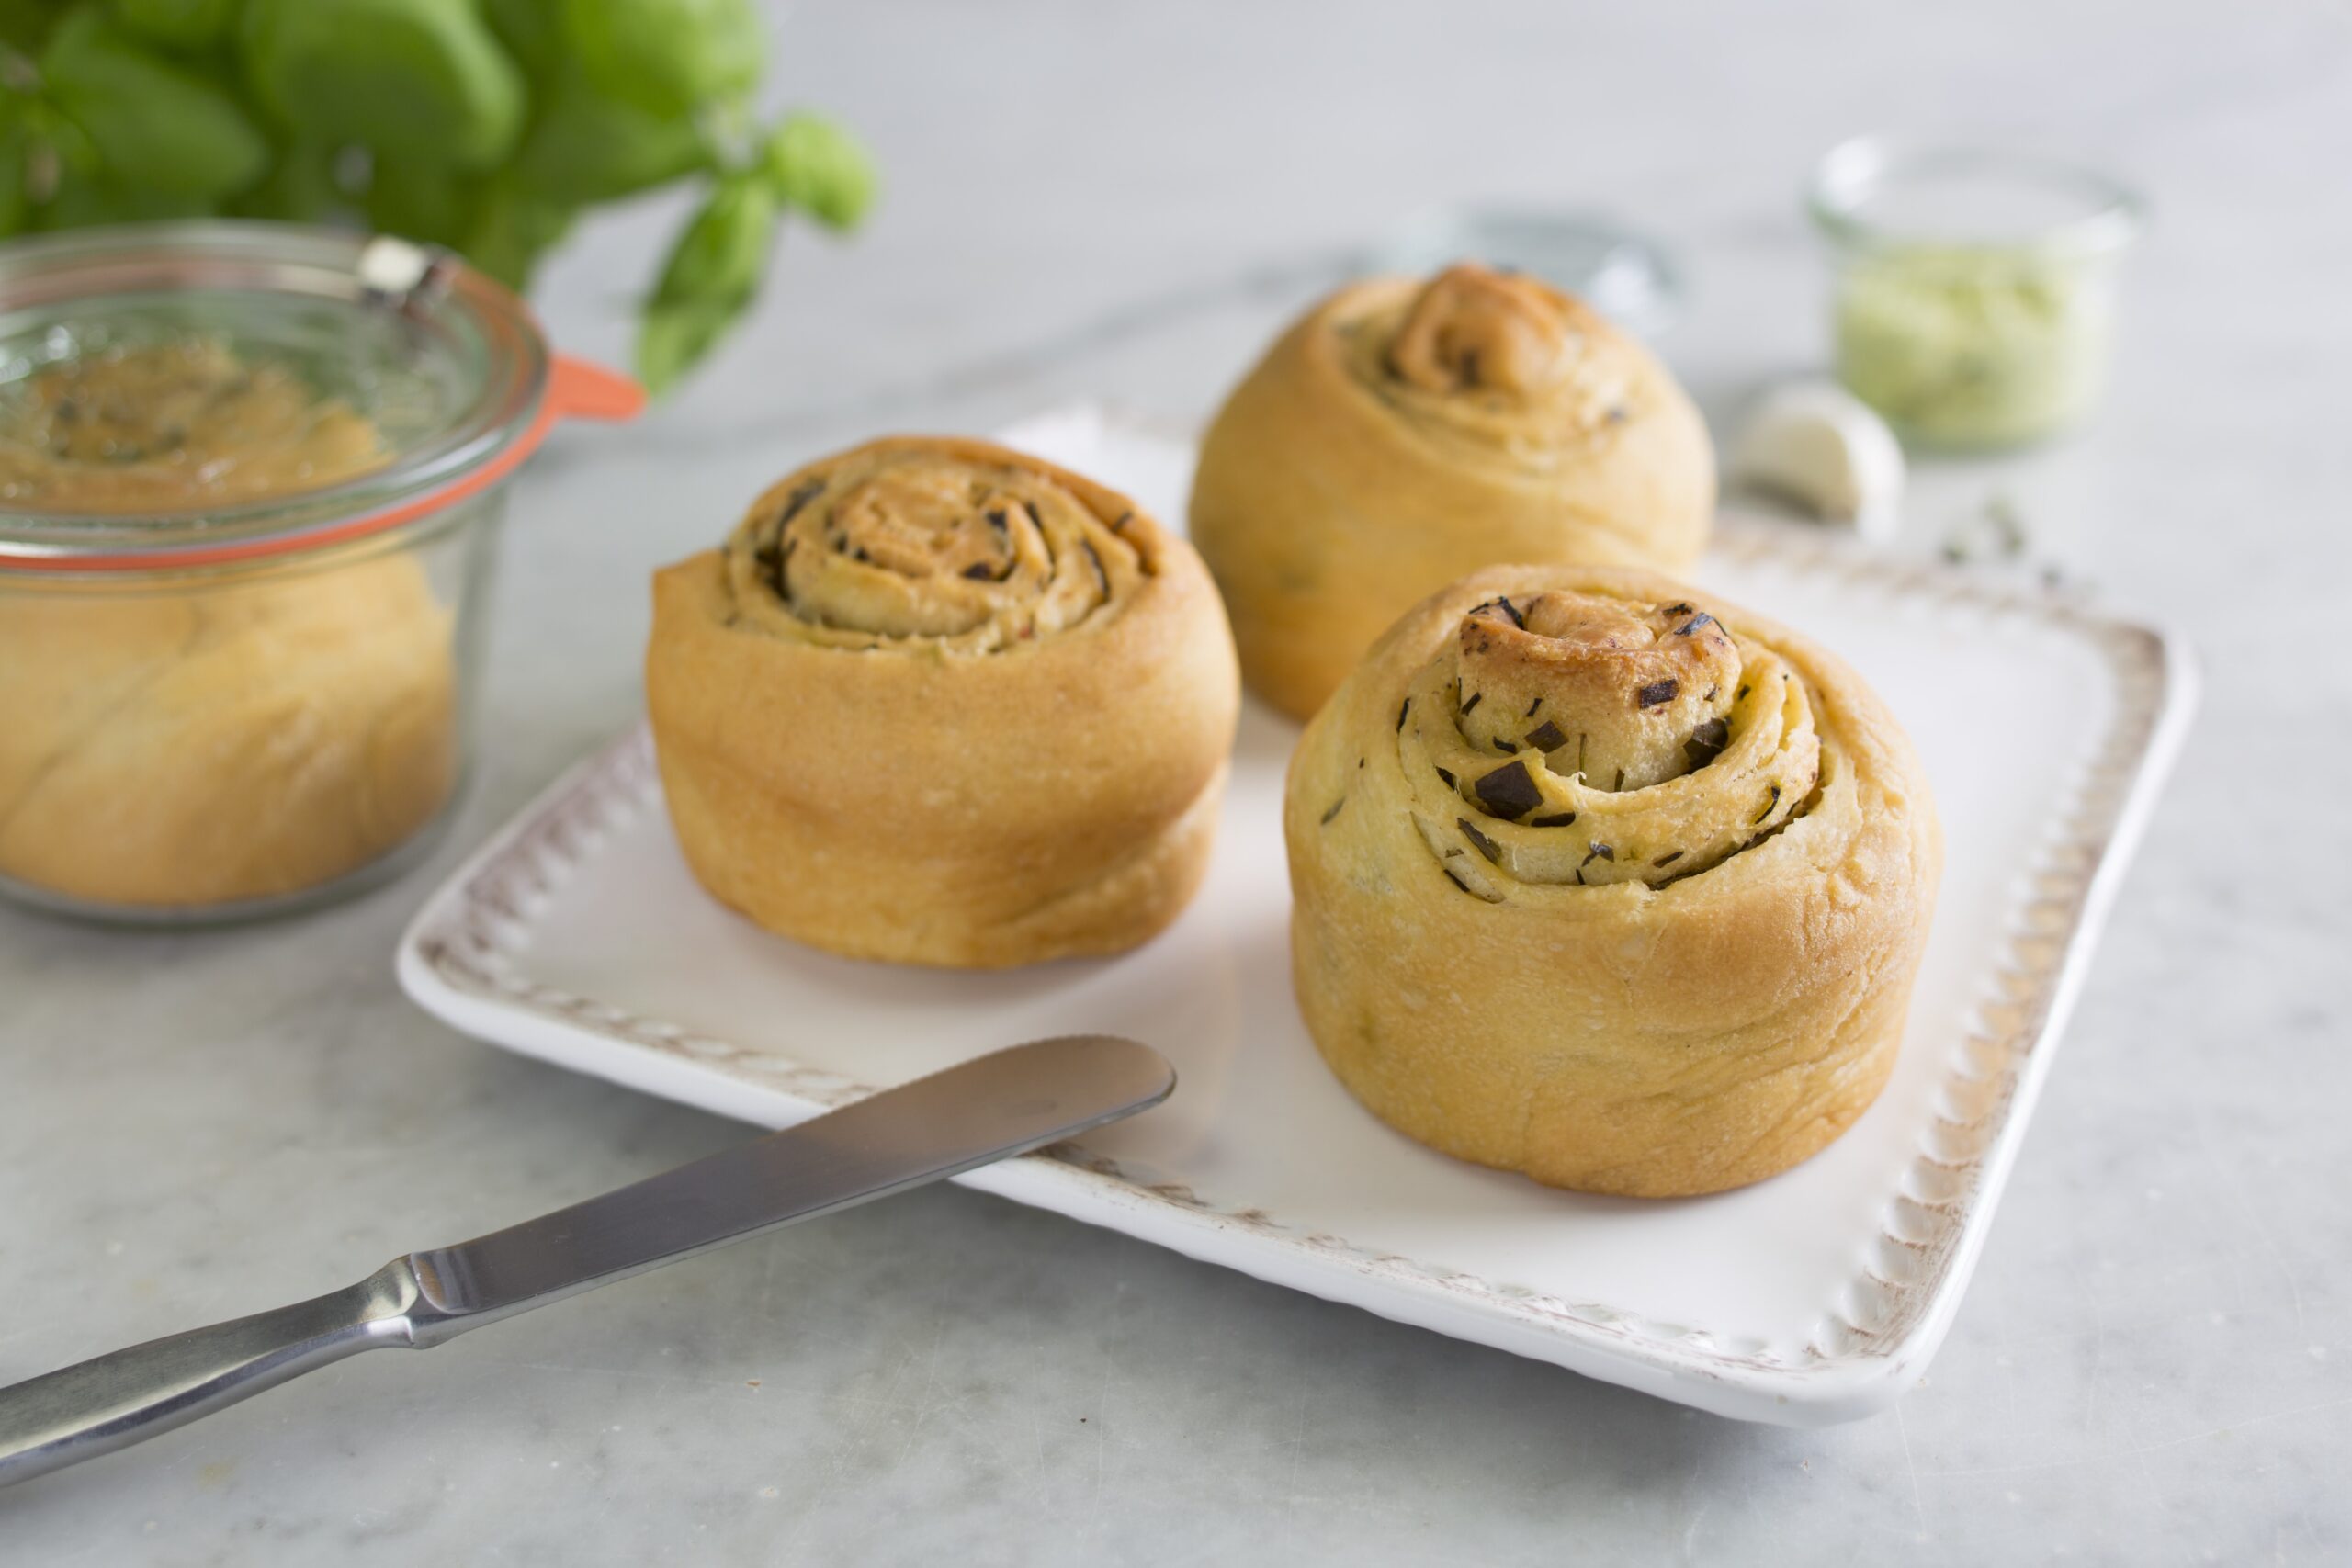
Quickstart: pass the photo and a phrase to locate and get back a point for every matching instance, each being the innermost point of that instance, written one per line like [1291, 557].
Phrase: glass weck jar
[1975, 288]
[250, 478]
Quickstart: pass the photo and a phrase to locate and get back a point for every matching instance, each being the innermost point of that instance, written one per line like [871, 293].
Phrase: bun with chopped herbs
[937, 702]
[1604, 880]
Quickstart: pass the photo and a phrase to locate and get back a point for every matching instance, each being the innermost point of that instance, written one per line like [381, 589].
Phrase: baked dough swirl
[171, 427]
[937, 702]
[1604, 880]
[1403, 433]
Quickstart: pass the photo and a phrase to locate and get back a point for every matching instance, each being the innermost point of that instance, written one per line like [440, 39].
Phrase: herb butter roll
[1604, 881]
[1405, 432]
[936, 702]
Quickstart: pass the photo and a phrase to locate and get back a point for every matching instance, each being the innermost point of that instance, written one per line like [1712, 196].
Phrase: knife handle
[115, 1400]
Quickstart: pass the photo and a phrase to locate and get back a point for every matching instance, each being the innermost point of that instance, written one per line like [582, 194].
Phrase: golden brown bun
[937, 702]
[185, 750]
[1676, 987]
[1405, 432]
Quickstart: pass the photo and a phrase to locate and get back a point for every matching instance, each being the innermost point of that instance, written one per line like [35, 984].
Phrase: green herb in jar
[1961, 346]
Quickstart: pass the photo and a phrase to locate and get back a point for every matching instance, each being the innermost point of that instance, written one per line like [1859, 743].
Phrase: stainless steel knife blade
[1005, 1103]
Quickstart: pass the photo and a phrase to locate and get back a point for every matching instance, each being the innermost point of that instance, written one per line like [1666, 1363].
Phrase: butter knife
[1007, 1102]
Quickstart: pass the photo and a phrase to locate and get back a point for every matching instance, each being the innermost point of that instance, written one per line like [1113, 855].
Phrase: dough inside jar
[223, 735]
[171, 427]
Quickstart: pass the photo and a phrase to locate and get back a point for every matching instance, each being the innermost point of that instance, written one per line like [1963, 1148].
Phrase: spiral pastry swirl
[1585, 740]
[1498, 362]
[1604, 880]
[900, 546]
[1403, 433]
[937, 702]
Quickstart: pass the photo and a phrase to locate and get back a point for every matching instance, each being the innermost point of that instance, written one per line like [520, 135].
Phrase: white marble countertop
[2153, 1365]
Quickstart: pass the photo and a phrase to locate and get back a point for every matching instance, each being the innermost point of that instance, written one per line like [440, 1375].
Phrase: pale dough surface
[173, 750]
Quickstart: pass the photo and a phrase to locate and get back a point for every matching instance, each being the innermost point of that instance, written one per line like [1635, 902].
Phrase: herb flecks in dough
[1616, 676]
[901, 548]
[800, 497]
[1504, 609]
[1643, 746]
[1509, 792]
[1706, 742]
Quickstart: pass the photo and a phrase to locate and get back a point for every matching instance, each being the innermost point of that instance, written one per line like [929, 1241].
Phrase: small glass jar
[1974, 295]
[250, 477]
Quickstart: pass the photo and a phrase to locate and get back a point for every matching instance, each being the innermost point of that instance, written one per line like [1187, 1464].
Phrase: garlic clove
[1817, 446]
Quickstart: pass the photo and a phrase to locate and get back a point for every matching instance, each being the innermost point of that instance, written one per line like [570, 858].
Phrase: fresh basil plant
[487, 126]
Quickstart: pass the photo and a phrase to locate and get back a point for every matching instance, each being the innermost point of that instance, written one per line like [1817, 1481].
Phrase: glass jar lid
[188, 394]
[1875, 191]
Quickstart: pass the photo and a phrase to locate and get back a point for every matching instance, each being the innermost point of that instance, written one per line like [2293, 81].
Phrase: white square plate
[578, 936]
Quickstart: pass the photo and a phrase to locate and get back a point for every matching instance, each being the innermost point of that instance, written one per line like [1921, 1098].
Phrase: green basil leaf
[16, 152]
[420, 80]
[510, 228]
[25, 24]
[83, 201]
[817, 166]
[420, 203]
[156, 125]
[712, 275]
[722, 253]
[667, 57]
[177, 23]
[585, 147]
[300, 189]
[532, 31]
[58, 138]
[673, 339]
